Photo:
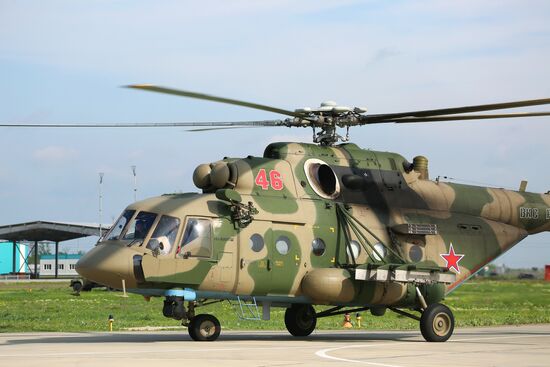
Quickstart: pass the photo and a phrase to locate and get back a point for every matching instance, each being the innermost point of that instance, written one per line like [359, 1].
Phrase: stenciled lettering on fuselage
[529, 213]
[275, 181]
[547, 214]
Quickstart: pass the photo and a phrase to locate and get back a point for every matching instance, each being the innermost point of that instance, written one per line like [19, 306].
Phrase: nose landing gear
[204, 327]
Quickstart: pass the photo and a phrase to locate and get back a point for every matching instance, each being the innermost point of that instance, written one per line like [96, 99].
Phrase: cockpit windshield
[117, 229]
[140, 226]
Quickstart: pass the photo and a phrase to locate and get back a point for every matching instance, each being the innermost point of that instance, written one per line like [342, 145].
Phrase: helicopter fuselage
[312, 217]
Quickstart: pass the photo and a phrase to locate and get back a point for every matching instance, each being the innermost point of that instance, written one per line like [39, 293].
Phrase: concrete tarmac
[498, 346]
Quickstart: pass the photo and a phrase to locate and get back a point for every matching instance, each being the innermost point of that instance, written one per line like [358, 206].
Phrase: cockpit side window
[117, 229]
[197, 239]
[164, 236]
[140, 226]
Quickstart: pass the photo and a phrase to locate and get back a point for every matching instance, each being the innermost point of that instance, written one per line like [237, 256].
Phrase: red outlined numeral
[261, 180]
[275, 180]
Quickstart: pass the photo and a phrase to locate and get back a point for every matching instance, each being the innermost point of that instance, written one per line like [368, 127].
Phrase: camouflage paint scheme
[480, 223]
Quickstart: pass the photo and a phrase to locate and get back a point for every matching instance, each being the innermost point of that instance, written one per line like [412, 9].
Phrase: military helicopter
[315, 224]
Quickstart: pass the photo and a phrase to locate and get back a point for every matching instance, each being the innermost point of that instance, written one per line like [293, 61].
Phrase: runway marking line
[323, 353]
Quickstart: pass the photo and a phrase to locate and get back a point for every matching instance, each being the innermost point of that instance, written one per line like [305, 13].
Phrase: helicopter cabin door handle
[268, 265]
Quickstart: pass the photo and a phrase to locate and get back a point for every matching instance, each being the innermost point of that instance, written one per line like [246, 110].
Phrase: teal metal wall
[6, 258]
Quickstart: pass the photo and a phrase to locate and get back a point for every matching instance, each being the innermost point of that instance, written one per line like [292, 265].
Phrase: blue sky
[63, 61]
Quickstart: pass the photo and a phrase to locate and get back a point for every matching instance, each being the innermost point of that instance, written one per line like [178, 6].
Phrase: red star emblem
[452, 259]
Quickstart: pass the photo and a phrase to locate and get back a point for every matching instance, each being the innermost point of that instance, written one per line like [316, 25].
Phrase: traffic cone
[347, 321]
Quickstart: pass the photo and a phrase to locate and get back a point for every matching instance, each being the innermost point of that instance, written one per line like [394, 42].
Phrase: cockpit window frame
[154, 228]
[149, 231]
[143, 243]
[180, 252]
[123, 231]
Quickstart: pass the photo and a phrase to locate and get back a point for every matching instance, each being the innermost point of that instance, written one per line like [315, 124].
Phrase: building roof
[48, 231]
[61, 257]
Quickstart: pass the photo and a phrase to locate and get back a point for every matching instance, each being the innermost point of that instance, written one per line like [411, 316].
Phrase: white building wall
[66, 267]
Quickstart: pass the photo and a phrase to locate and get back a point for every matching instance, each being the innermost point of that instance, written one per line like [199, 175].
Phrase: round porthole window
[282, 245]
[318, 247]
[415, 253]
[256, 242]
[355, 249]
[322, 178]
[380, 249]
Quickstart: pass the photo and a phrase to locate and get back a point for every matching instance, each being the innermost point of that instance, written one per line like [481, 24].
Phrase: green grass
[53, 307]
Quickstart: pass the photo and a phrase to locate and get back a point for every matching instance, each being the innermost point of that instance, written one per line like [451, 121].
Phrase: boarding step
[246, 309]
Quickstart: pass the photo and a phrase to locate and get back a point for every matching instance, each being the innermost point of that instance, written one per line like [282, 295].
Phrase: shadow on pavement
[229, 336]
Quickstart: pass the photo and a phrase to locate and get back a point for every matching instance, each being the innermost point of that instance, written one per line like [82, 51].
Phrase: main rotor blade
[225, 128]
[207, 97]
[152, 124]
[454, 110]
[461, 117]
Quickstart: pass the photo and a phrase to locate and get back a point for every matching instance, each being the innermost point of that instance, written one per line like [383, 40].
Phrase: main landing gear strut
[436, 322]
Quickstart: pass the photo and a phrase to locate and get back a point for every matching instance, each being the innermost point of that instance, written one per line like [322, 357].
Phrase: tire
[437, 323]
[204, 327]
[191, 329]
[300, 320]
[77, 286]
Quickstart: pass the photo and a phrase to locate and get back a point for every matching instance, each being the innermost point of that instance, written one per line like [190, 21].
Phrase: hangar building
[37, 231]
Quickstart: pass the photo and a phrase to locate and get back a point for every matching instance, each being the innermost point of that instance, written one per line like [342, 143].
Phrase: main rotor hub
[329, 104]
[327, 117]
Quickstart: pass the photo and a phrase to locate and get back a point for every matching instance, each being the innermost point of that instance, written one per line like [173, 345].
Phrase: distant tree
[44, 249]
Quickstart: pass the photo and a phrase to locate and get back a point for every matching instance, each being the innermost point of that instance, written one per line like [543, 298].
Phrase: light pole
[100, 204]
[135, 182]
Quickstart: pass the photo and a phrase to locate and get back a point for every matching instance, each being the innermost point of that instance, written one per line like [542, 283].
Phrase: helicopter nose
[108, 264]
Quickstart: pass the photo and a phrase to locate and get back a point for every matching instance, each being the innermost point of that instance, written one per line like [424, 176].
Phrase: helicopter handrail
[359, 236]
[351, 219]
[342, 222]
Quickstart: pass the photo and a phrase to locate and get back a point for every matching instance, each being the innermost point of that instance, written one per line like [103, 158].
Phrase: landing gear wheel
[191, 329]
[77, 287]
[300, 319]
[437, 323]
[204, 327]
